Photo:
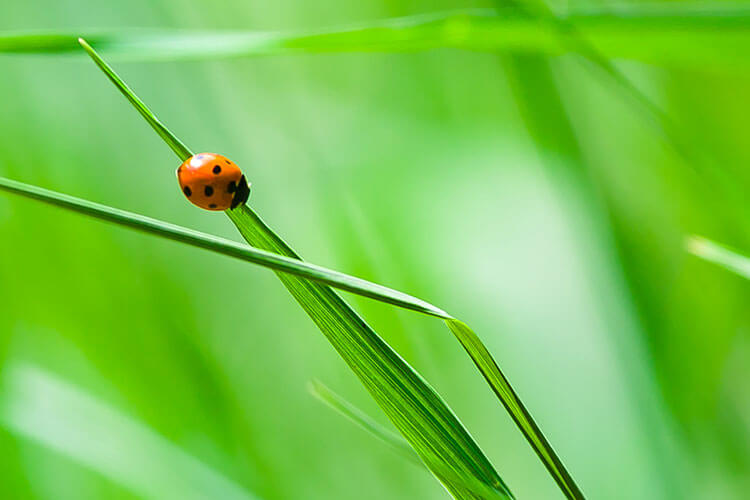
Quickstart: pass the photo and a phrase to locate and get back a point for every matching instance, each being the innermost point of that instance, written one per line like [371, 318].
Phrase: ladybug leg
[242, 193]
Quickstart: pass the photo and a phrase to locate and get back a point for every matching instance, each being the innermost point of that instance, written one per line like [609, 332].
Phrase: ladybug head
[242, 193]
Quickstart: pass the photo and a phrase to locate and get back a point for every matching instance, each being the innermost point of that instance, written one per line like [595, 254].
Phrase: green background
[562, 244]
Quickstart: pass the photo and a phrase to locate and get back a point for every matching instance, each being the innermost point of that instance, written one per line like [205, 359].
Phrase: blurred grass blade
[39, 406]
[361, 419]
[223, 246]
[720, 255]
[714, 35]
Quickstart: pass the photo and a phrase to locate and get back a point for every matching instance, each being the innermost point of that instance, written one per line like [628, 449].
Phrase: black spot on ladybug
[179, 169]
[232, 187]
[228, 162]
[217, 170]
[188, 192]
[212, 205]
[208, 190]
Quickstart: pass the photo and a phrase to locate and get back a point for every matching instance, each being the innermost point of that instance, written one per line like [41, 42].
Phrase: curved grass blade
[43, 408]
[361, 419]
[468, 339]
[344, 328]
[720, 255]
[414, 407]
[223, 246]
[399, 390]
[521, 416]
[677, 34]
[448, 473]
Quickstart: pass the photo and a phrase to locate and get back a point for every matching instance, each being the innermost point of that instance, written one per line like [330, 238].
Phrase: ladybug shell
[212, 182]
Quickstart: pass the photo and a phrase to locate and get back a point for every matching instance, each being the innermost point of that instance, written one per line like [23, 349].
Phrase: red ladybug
[212, 182]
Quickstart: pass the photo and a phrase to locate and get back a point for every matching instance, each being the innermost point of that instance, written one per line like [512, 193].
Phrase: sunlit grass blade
[45, 409]
[675, 33]
[361, 419]
[223, 246]
[720, 255]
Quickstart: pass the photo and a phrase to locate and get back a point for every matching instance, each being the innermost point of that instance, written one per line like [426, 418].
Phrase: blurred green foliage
[421, 171]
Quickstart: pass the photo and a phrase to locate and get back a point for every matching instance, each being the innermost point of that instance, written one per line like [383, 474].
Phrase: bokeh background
[527, 196]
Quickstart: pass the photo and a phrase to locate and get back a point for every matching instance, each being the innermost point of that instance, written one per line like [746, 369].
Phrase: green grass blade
[468, 339]
[674, 34]
[223, 246]
[521, 416]
[473, 474]
[720, 255]
[344, 329]
[172, 141]
[411, 404]
[361, 419]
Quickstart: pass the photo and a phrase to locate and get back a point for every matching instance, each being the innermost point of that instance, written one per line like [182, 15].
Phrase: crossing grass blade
[246, 221]
[381, 370]
[680, 34]
[344, 329]
[223, 246]
[417, 411]
[359, 345]
[720, 255]
[440, 440]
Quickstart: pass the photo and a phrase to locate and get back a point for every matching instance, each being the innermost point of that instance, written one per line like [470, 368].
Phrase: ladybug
[212, 182]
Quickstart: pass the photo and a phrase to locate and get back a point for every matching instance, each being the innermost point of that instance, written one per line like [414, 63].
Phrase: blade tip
[84, 43]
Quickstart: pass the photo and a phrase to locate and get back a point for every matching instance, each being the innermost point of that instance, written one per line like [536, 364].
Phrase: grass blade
[413, 406]
[417, 400]
[223, 246]
[683, 34]
[361, 419]
[720, 255]
[439, 439]
[172, 141]
[345, 329]
[291, 265]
